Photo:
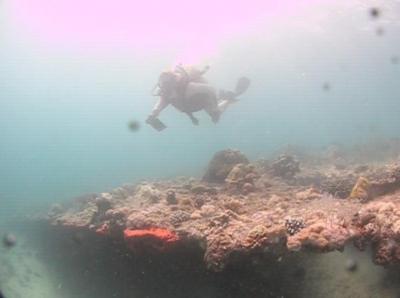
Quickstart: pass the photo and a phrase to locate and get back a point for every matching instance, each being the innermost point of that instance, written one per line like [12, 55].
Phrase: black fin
[242, 85]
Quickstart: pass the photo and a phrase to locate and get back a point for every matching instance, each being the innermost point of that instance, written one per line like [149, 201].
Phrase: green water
[64, 115]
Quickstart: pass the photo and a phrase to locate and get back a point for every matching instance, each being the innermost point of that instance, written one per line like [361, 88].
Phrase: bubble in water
[134, 125]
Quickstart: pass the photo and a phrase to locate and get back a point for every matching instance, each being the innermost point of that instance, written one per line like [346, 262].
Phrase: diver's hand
[150, 118]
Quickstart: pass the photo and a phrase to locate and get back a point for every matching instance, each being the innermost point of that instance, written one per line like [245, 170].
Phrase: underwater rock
[198, 201]
[103, 202]
[77, 217]
[256, 236]
[379, 224]
[55, 209]
[225, 225]
[308, 194]
[208, 210]
[202, 189]
[326, 233]
[361, 169]
[338, 186]
[242, 177]
[234, 205]
[361, 189]
[310, 178]
[178, 217]
[285, 166]
[171, 197]
[385, 180]
[247, 188]
[222, 163]
[147, 193]
[140, 220]
[216, 251]
[85, 198]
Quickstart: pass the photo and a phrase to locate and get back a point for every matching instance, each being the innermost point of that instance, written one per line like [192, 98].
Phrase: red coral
[150, 239]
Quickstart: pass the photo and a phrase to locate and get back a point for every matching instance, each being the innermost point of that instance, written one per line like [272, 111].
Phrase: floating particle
[374, 12]
[351, 265]
[9, 240]
[326, 87]
[134, 125]
[394, 59]
[380, 31]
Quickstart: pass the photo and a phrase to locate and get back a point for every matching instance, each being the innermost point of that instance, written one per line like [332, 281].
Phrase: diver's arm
[161, 104]
[205, 69]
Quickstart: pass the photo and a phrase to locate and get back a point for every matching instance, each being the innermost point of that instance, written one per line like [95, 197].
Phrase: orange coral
[150, 239]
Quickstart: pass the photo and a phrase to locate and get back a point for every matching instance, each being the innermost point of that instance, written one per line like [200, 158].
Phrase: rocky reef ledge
[241, 209]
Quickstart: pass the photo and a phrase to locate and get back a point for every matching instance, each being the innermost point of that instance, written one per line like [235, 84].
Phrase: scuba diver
[186, 89]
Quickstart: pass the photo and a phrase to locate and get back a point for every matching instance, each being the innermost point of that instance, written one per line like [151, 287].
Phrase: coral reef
[250, 211]
[361, 189]
[285, 166]
[379, 224]
[338, 185]
[242, 177]
[222, 163]
[294, 225]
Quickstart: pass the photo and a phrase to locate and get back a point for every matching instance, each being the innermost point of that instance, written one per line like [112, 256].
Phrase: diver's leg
[214, 114]
[225, 103]
[211, 108]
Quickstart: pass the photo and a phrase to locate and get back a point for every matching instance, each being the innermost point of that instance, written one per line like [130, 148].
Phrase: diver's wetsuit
[190, 94]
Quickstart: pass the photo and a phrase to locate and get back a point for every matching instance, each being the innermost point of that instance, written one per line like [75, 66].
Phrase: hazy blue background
[64, 114]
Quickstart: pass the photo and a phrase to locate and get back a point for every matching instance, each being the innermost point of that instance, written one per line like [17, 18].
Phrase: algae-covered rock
[222, 163]
[361, 189]
[242, 178]
[147, 193]
[338, 186]
[285, 166]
